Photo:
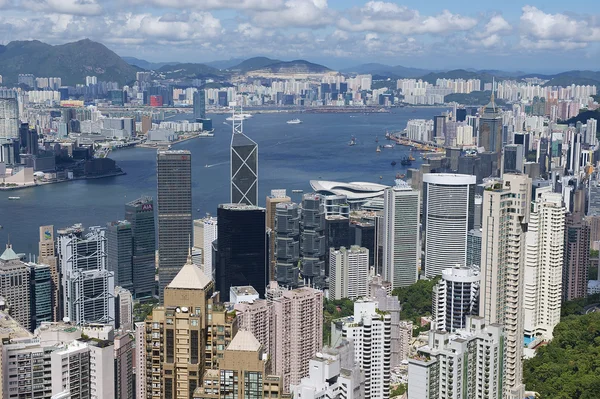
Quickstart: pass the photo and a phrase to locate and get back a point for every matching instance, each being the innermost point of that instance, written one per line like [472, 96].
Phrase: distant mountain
[225, 64]
[583, 118]
[71, 61]
[150, 66]
[574, 77]
[291, 67]
[189, 71]
[383, 70]
[252, 64]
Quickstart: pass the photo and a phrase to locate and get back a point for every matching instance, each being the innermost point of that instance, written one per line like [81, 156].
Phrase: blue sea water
[289, 157]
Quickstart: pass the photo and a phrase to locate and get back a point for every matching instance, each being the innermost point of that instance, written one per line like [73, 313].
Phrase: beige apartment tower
[505, 218]
[176, 336]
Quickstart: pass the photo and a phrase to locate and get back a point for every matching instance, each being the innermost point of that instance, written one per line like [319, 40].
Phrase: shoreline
[114, 174]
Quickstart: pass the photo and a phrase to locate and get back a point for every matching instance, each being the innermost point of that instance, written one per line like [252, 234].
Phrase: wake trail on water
[216, 164]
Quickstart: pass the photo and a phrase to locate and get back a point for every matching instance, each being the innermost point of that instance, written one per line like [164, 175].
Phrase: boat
[388, 146]
[380, 177]
[393, 163]
[405, 161]
[378, 149]
[14, 198]
[352, 142]
[388, 136]
[400, 175]
[297, 191]
[239, 117]
[294, 122]
[411, 158]
[376, 139]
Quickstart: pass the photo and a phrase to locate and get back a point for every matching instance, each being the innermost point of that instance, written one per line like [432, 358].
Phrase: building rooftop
[244, 341]
[9, 254]
[10, 328]
[244, 290]
[240, 207]
[354, 191]
[190, 277]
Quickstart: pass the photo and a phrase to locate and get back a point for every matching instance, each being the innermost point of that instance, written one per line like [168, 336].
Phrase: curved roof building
[354, 191]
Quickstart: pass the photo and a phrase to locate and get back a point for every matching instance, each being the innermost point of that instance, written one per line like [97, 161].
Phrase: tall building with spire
[490, 129]
[243, 166]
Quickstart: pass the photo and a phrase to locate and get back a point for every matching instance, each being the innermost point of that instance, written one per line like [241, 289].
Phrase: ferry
[388, 146]
[14, 198]
[294, 122]
[297, 191]
[239, 117]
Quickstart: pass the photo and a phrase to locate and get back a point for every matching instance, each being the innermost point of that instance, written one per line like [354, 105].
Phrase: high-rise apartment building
[544, 264]
[47, 256]
[175, 336]
[241, 248]
[448, 215]
[255, 317]
[473, 248]
[276, 197]
[576, 257]
[205, 232]
[466, 364]
[506, 207]
[119, 252]
[140, 213]
[333, 374]
[454, 298]
[244, 170]
[287, 244]
[86, 284]
[348, 272]
[174, 202]
[401, 330]
[242, 373]
[297, 326]
[124, 377]
[123, 309]
[9, 115]
[14, 286]
[370, 332]
[401, 247]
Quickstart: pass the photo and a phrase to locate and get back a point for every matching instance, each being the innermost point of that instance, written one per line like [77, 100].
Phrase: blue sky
[542, 36]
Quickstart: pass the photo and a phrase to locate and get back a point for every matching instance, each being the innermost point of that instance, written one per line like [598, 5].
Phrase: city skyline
[338, 34]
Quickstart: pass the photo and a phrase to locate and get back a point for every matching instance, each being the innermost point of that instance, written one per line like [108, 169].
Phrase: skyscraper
[9, 114]
[119, 252]
[244, 170]
[41, 295]
[47, 256]
[490, 130]
[576, 257]
[370, 332]
[287, 244]
[14, 286]
[199, 105]
[514, 156]
[401, 236]
[87, 285]
[140, 213]
[205, 232]
[241, 248]
[174, 177]
[312, 240]
[504, 224]
[454, 298]
[544, 264]
[348, 272]
[448, 215]
[276, 197]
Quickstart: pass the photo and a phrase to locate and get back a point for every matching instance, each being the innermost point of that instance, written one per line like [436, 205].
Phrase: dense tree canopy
[569, 366]
[416, 300]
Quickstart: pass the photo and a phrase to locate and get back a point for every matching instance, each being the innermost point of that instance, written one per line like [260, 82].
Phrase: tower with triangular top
[244, 163]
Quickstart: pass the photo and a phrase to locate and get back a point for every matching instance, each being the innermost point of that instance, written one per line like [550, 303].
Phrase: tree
[416, 299]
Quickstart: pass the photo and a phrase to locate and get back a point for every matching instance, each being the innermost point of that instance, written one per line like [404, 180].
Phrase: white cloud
[213, 4]
[496, 24]
[190, 26]
[70, 7]
[542, 26]
[529, 44]
[383, 17]
[296, 13]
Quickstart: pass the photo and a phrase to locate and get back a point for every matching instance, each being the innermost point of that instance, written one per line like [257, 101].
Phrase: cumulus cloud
[496, 25]
[214, 4]
[541, 26]
[382, 17]
[183, 27]
[70, 7]
[529, 44]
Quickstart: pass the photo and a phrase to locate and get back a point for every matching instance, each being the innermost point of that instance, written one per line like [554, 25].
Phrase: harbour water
[289, 157]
